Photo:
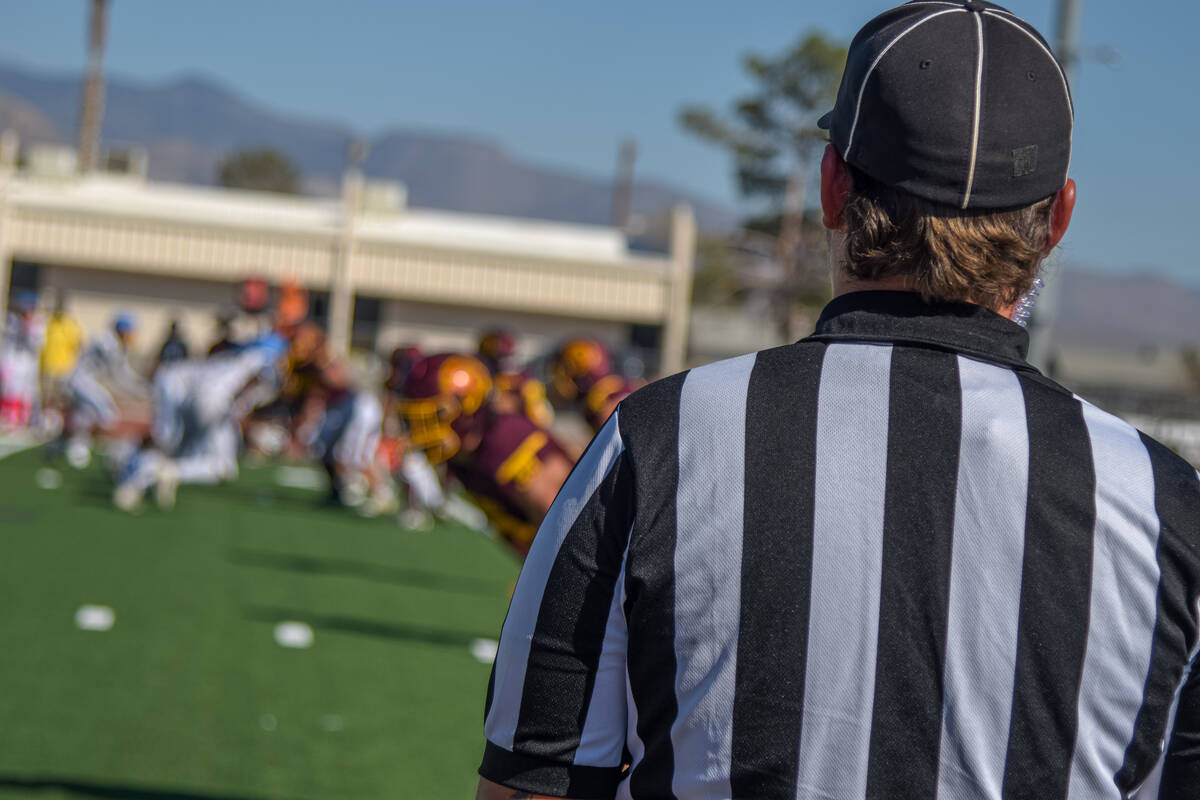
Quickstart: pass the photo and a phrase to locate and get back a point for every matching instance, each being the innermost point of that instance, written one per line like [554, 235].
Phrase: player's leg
[358, 451]
[200, 461]
[92, 408]
[142, 471]
[422, 479]
[328, 432]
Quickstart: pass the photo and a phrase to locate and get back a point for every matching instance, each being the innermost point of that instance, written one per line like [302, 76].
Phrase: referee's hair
[989, 257]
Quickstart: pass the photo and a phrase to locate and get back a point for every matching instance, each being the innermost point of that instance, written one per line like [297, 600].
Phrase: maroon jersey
[513, 451]
[521, 393]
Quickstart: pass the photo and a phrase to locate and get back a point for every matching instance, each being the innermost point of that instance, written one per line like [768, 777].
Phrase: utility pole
[1066, 36]
[91, 113]
[623, 184]
[8, 167]
[679, 293]
[341, 289]
[787, 250]
[1066, 48]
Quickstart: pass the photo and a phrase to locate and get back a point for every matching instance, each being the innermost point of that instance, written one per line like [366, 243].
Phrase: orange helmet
[578, 365]
[444, 397]
[292, 308]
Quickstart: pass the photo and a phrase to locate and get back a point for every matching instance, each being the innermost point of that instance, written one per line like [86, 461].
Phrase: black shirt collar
[903, 317]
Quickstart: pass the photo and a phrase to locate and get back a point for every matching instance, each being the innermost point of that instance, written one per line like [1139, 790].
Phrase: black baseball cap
[957, 102]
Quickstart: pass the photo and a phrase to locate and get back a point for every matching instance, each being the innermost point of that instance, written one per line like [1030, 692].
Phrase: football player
[338, 422]
[20, 343]
[198, 405]
[511, 467]
[423, 487]
[514, 389]
[583, 374]
[106, 358]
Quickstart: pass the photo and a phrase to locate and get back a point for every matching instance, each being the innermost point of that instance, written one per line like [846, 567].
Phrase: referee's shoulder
[1176, 479]
[653, 410]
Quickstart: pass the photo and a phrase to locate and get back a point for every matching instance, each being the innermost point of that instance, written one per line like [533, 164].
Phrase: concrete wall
[94, 296]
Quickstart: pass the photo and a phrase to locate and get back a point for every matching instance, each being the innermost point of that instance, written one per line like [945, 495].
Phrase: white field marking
[484, 650]
[333, 722]
[94, 618]
[299, 478]
[268, 722]
[46, 478]
[294, 635]
[13, 443]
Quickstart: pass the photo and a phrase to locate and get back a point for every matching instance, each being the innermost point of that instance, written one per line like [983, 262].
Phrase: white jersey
[210, 386]
[23, 335]
[105, 358]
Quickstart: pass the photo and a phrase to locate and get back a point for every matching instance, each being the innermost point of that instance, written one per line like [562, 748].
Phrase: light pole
[341, 289]
[91, 113]
[1066, 46]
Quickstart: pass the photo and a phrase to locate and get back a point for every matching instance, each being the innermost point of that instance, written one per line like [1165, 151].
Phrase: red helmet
[497, 349]
[444, 395]
[577, 366]
[253, 295]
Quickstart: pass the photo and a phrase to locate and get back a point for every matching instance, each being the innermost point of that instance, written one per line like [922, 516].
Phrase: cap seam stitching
[978, 113]
[862, 88]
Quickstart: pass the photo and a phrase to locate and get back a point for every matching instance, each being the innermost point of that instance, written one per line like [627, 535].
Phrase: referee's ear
[836, 186]
[1060, 215]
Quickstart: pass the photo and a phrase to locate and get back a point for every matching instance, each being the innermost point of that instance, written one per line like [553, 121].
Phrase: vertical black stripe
[568, 636]
[1055, 595]
[924, 431]
[781, 435]
[1181, 772]
[650, 427]
[491, 692]
[1177, 502]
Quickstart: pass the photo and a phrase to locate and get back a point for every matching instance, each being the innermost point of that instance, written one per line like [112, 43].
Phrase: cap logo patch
[1024, 161]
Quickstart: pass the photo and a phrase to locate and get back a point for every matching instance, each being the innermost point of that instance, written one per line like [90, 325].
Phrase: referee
[891, 560]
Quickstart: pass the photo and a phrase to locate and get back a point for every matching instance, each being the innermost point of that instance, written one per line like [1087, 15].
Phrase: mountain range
[188, 125]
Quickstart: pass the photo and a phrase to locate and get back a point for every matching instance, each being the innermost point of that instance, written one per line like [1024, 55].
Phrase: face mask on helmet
[444, 397]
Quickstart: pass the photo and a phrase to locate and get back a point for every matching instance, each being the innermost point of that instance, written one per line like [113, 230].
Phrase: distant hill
[1125, 311]
[189, 124]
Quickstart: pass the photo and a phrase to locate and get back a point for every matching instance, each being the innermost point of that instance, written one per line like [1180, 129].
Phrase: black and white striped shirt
[889, 561]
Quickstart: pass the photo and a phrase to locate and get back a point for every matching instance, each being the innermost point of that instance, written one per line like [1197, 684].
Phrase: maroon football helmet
[444, 397]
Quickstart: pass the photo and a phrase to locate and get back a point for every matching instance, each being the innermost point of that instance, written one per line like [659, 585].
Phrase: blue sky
[561, 82]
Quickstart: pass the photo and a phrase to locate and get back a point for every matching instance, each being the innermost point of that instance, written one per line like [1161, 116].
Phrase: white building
[410, 275]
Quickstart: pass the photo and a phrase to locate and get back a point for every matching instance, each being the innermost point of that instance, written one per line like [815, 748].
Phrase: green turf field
[188, 696]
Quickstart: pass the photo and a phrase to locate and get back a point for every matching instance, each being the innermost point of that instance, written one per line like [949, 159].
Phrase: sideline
[13, 443]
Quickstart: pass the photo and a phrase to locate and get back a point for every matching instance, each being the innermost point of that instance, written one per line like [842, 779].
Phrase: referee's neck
[845, 284]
